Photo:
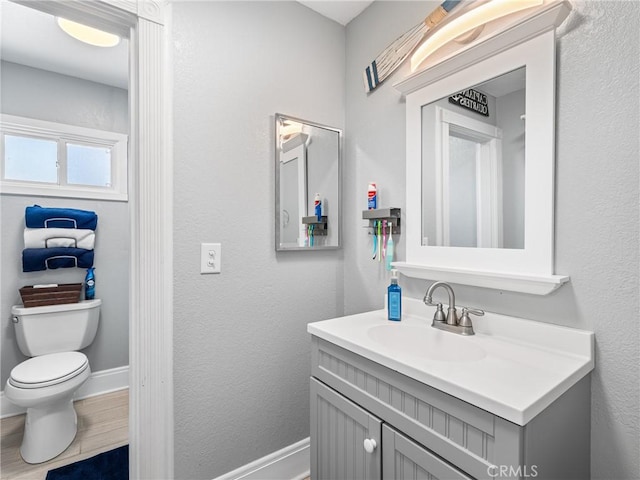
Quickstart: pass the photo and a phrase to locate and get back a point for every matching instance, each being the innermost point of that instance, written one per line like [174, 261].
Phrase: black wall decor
[471, 99]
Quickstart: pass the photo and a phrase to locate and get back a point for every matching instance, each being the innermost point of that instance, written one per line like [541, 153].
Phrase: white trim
[104, 381]
[289, 463]
[64, 134]
[496, 279]
[151, 427]
[151, 449]
[488, 210]
[8, 409]
[536, 258]
[99, 383]
[299, 152]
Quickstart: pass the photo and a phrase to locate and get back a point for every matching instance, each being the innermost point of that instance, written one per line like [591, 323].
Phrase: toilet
[45, 383]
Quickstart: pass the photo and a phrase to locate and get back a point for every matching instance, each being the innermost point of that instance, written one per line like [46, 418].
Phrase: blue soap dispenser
[394, 298]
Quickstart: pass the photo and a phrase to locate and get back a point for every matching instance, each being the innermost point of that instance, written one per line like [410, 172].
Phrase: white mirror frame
[528, 270]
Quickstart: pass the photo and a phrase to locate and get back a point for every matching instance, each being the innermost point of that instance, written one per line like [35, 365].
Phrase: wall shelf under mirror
[480, 157]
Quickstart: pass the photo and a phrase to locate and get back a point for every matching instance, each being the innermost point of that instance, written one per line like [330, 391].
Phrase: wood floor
[103, 424]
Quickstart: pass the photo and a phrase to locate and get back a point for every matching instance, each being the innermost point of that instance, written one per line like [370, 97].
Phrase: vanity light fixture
[86, 34]
[469, 21]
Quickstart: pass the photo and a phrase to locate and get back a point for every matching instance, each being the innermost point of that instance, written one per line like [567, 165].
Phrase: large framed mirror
[473, 165]
[308, 160]
[480, 172]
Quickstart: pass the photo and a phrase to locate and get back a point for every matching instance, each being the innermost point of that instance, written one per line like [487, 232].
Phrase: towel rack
[57, 257]
[60, 219]
[75, 241]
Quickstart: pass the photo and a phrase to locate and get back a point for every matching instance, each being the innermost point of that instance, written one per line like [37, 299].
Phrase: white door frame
[299, 153]
[151, 222]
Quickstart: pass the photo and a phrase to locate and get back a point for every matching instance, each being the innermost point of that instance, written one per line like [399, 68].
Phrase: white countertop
[511, 367]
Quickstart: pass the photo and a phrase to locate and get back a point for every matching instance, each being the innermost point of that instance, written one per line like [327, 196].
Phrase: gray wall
[34, 93]
[241, 351]
[597, 238]
[30, 92]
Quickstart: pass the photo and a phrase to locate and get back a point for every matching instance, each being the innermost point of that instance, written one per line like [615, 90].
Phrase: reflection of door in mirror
[470, 202]
[307, 165]
[293, 190]
[473, 166]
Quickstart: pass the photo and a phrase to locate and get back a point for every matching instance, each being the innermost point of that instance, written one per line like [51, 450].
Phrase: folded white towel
[59, 237]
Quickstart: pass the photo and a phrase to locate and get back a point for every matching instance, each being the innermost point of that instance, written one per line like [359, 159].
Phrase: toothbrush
[384, 239]
[379, 242]
[375, 240]
[390, 248]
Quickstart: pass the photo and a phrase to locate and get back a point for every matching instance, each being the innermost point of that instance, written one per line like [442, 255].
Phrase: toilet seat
[48, 370]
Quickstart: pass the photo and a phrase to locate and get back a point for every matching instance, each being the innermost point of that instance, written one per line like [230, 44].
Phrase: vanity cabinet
[403, 458]
[341, 428]
[422, 433]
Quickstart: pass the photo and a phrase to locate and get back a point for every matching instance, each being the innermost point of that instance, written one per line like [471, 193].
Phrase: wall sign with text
[471, 100]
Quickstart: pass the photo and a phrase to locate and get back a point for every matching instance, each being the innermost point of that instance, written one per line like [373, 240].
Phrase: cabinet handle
[369, 445]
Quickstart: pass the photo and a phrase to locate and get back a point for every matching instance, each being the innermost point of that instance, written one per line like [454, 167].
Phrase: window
[51, 159]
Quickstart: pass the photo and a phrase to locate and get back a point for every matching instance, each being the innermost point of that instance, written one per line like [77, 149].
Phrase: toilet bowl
[45, 384]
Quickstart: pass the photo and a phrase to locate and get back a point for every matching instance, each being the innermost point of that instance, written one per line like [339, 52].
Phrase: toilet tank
[56, 328]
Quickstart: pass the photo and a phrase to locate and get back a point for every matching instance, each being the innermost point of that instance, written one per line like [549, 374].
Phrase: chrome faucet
[452, 314]
[450, 322]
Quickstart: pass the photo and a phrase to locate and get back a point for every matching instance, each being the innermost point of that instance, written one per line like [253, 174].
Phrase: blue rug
[111, 465]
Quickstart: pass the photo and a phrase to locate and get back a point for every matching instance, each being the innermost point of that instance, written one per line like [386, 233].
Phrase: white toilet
[45, 383]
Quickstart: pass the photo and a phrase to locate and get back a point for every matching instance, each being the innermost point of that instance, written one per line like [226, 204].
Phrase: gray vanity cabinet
[423, 433]
[403, 459]
[339, 428]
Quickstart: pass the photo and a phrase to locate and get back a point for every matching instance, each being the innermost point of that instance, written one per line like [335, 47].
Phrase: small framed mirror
[308, 160]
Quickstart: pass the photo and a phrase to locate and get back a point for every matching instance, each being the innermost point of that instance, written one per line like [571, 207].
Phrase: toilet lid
[46, 370]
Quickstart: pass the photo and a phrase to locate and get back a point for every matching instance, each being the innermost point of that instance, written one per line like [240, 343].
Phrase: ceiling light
[469, 21]
[289, 128]
[87, 34]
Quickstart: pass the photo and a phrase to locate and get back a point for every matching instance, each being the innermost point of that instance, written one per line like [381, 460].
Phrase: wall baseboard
[104, 381]
[290, 463]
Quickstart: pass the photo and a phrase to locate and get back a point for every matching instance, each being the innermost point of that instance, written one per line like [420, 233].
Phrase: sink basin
[426, 342]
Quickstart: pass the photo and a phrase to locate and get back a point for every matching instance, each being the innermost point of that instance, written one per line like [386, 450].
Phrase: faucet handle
[473, 311]
[439, 315]
[465, 320]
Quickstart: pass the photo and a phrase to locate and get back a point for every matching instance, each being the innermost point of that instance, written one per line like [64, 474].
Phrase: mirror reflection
[473, 166]
[307, 185]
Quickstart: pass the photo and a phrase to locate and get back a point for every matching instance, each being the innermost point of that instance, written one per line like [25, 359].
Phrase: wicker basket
[63, 293]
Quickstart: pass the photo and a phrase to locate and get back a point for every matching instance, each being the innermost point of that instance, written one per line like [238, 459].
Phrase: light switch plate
[210, 257]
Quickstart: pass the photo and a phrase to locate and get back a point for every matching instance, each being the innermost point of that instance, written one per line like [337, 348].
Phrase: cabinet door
[339, 429]
[403, 459]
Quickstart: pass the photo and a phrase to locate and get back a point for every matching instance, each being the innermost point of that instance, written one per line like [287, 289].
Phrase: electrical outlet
[210, 257]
